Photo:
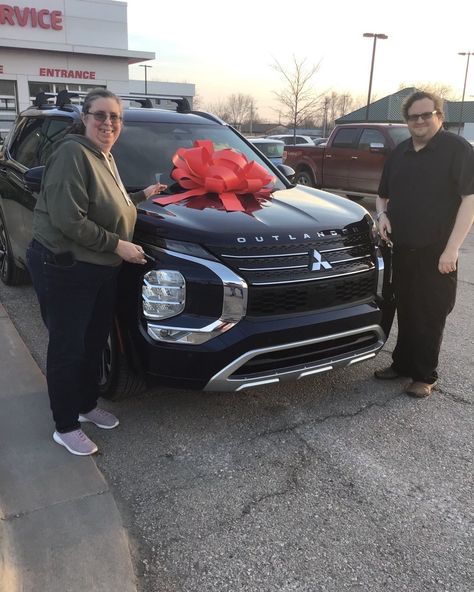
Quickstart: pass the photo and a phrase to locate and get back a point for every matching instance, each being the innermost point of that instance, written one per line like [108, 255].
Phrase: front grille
[316, 260]
[294, 277]
[294, 298]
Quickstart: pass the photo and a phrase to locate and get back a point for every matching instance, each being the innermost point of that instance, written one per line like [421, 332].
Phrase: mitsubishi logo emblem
[317, 262]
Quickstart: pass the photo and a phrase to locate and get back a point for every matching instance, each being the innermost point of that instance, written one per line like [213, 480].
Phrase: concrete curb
[60, 528]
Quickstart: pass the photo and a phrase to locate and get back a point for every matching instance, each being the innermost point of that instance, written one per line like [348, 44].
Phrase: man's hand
[130, 252]
[448, 260]
[384, 227]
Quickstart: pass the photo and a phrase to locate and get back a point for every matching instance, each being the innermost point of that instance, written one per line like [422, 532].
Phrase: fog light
[163, 293]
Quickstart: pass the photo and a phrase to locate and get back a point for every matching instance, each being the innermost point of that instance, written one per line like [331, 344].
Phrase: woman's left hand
[154, 189]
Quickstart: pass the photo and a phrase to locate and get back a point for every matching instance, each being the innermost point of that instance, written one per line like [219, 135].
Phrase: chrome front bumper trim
[234, 305]
[223, 381]
[380, 271]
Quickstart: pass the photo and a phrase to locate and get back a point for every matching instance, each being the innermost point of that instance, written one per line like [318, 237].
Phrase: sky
[226, 48]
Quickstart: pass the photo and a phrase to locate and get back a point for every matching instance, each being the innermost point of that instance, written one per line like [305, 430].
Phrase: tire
[304, 177]
[117, 380]
[10, 273]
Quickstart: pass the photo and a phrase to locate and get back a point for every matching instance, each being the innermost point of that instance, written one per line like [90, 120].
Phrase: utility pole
[375, 36]
[468, 54]
[146, 66]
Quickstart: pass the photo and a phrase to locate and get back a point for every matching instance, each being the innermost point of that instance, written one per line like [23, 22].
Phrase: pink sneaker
[76, 442]
[101, 418]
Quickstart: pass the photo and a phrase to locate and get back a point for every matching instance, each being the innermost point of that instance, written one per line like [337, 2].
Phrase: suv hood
[297, 211]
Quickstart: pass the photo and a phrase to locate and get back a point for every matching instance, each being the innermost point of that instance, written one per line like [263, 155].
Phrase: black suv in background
[232, 300]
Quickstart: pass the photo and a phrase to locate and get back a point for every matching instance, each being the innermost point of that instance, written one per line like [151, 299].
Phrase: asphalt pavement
[336, 483]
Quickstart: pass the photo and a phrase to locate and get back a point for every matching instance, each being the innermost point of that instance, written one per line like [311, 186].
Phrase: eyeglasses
[424, 116]
[102, 116]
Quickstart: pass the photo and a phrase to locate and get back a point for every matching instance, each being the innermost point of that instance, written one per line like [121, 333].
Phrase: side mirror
[287, 171]
[33, 178]
[377, 147]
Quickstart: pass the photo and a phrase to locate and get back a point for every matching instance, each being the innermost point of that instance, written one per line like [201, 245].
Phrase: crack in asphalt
[455, 398]
[315, 421]
[291, 484]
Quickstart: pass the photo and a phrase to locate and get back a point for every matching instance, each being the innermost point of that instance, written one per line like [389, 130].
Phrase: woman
[82, 228]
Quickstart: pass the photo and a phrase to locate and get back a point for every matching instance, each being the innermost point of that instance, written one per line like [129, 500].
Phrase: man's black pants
[77, 305]
[424, 298]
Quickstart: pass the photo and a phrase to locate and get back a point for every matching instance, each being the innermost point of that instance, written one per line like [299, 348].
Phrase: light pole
[146, 66]
[468, 54]
[375, 36]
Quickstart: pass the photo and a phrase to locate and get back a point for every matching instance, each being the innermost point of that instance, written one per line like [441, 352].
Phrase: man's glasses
[424, 116]
[102, 116]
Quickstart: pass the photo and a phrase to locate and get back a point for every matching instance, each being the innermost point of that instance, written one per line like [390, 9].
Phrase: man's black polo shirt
[424, 188]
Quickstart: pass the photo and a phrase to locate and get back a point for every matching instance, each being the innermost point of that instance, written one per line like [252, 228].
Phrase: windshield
[398, 134]
[145, 149]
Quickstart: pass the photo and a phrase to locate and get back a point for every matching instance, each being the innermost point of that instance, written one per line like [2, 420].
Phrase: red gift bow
[226, 172]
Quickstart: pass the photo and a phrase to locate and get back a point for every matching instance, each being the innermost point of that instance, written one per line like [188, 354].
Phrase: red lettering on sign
[41, 15]
[56, 20]
[59, 73]
[21, 16]
[34, 18]
[1, 69]
[6, 14]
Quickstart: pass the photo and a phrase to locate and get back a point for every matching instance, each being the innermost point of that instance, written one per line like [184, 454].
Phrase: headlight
[163, 293]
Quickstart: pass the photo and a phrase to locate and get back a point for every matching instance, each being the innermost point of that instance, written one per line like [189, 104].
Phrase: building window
[8, 95]
[54, 87]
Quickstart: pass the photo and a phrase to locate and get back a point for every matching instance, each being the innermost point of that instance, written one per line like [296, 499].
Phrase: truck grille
[289, 278]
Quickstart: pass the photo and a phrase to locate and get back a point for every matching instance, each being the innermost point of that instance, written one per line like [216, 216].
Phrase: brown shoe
[420, 389]
[388, 373]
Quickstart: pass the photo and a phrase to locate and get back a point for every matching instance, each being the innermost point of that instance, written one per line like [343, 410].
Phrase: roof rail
[63, 100]
[144, 100]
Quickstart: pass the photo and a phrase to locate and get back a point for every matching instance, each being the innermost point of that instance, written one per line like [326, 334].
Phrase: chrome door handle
[354, 157]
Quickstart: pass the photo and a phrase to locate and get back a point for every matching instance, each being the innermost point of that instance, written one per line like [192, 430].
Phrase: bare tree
[298, 98]
[241, 108]
[219, 108]
[235, 109]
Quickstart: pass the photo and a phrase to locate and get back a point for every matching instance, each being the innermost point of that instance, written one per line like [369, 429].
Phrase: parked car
[319, 141]
[351, 162]
[291, 140]
[230, 300]
[273, 149]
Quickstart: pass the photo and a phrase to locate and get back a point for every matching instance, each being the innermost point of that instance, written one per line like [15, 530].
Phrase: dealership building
[52, 45]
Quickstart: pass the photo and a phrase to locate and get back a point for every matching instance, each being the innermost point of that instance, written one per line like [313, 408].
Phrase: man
[426, 208]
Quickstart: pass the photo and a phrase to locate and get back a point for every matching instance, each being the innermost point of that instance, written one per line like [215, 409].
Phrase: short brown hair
[92, 95]
[418, 96]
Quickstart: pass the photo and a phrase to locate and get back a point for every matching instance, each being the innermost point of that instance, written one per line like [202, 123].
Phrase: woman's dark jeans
[77, 305]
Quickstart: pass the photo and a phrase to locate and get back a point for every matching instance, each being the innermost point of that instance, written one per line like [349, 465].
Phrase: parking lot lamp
[146, 66]
[375, 37]
[468, 54]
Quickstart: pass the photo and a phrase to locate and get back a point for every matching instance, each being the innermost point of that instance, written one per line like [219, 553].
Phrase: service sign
[16, 16]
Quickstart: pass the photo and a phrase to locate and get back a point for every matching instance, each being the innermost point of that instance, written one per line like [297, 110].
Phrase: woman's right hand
[130, 252]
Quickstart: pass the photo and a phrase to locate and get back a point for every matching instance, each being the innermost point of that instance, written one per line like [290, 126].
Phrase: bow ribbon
[201, 170]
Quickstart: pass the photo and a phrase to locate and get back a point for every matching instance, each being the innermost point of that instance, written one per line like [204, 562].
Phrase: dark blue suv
[230, 300]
